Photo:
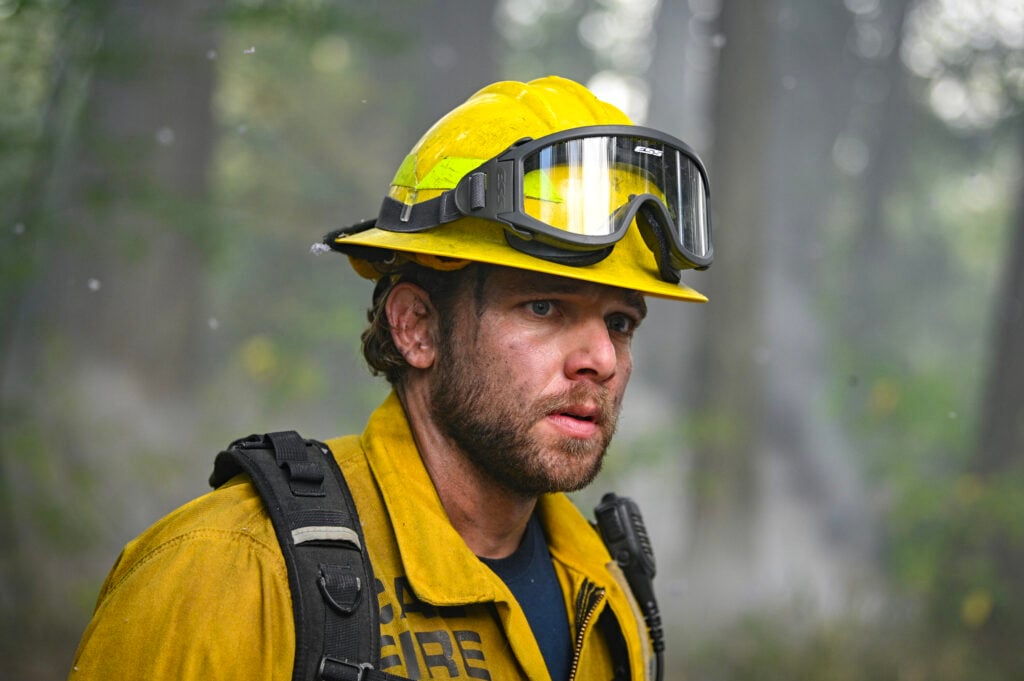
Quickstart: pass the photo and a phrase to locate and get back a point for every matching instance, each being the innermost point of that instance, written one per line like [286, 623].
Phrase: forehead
[505, 280]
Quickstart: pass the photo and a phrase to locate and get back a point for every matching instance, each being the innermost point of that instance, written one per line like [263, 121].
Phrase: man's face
[530, 377]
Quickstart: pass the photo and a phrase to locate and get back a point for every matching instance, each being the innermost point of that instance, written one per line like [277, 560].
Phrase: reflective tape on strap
[301, 535]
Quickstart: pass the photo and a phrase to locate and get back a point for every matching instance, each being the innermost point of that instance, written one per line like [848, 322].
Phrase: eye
[621, 323]
[541, 308]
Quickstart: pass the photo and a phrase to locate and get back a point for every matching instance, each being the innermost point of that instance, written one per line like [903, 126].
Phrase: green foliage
[311, 19]
[771, 646]
[537, 35]
[977, 603]
[910, 357]
[781, 644]
[285, 174]
[29, 33]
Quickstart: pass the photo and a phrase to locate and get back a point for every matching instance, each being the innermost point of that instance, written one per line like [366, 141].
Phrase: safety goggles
[569, 197]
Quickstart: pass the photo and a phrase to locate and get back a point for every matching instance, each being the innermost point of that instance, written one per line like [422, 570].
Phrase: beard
[480, 411]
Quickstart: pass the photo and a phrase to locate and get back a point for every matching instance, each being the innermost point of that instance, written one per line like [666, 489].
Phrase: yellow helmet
[435, 178]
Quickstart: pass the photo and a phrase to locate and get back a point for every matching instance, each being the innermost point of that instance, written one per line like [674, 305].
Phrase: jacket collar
[438, 563]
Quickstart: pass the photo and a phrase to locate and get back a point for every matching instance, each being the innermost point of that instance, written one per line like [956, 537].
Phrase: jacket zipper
[587, 601]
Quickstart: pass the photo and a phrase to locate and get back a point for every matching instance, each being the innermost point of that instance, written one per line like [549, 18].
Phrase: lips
[581, 421]
[581, 413]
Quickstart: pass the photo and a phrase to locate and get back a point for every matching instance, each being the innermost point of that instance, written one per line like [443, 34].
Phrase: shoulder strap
[337, 633]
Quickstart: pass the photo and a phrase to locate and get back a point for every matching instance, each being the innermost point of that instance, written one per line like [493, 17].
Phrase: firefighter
[512, 256]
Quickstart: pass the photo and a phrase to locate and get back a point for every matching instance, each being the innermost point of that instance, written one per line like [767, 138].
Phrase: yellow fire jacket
[203, 594]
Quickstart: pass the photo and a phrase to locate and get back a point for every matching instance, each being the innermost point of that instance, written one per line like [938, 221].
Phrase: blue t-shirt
[530, 576]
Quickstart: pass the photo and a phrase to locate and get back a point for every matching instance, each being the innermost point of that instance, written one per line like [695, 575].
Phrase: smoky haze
[827, 454]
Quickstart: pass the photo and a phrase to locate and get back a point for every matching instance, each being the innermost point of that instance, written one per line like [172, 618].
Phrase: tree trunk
[89, 345]
[988, 553]
[883, 124]
[1001, 432]
[452, 51]
[803, 455]
[727, 411]
[136, 196]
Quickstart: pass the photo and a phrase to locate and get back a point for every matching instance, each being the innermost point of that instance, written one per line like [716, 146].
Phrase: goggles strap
[653, 232]
[539, 249]
[396, 216]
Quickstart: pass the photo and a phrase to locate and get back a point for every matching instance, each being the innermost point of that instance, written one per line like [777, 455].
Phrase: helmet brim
[630, 265]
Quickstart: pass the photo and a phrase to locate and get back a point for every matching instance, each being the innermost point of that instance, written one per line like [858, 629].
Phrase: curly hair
[379, 349]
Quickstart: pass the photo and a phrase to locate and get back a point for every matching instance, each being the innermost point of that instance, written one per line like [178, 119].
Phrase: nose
[592, 355]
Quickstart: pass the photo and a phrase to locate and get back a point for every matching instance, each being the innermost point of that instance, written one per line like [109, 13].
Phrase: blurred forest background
[830, 454]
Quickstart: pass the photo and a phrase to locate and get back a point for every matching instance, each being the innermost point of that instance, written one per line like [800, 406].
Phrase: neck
[490, 518]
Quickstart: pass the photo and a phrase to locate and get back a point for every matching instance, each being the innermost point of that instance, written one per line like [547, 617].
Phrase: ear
[413, 322]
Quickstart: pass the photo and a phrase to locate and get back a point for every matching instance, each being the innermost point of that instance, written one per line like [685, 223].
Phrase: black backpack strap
[337, 633]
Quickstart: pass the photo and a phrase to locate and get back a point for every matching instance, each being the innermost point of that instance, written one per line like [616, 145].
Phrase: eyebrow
[632, 298]
[636, 299]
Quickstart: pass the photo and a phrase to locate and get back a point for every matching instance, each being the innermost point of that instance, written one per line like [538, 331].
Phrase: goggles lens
[585, 186]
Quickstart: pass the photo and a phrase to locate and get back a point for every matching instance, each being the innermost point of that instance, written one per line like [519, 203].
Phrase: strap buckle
[333, 669]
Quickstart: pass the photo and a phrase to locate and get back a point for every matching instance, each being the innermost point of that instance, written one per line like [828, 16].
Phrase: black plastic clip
[333, 669]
